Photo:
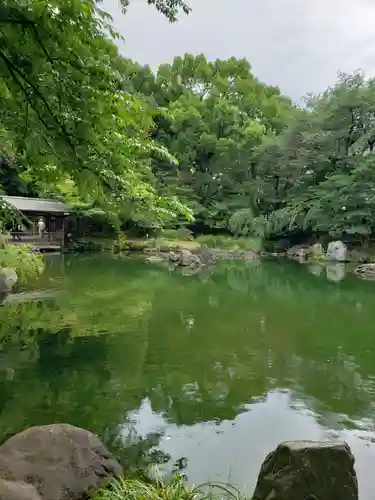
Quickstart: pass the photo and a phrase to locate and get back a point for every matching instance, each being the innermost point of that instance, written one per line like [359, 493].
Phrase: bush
[230, 243]
[28, 264]
[122, 242]
[92, 245]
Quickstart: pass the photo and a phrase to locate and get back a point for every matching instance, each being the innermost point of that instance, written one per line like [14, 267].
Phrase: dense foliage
[67, 119]
[27, 264]
[253, 163]
[79, 121]
[210, 116]
[318, 174]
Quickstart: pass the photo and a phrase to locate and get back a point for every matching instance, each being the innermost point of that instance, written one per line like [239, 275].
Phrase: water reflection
[336, 272]
[234, 449]
[181, 366]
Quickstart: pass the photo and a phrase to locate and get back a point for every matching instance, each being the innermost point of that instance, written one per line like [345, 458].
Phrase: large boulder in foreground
[8, 278]
[299, 470]
[54, 462]
[11, 490]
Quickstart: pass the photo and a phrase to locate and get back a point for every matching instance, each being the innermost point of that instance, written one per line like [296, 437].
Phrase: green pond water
[207, 373]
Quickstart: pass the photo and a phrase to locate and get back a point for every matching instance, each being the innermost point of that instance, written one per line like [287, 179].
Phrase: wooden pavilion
[53, 213]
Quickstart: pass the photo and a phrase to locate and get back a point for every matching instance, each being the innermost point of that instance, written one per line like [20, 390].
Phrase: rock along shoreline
[63, 462]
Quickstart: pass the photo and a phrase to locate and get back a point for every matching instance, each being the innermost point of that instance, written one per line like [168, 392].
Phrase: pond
[203, 373]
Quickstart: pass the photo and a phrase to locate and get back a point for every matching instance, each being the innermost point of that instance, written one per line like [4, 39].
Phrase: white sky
[299, 45]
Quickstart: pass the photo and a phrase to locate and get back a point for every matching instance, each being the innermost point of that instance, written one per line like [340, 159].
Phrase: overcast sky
[299, 45]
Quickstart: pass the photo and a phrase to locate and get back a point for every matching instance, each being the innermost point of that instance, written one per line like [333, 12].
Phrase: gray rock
[366, 271]
[173, 257]
[57, 462]
[310, 470]
[337, 251]
[206, 256]
[298, 252]
[11, 490]
[360, 256]
[247, 255]
[8, 278]
[188, 259]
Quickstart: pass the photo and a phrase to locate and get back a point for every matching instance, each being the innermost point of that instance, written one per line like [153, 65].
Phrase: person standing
[18, 232]
[41, 227]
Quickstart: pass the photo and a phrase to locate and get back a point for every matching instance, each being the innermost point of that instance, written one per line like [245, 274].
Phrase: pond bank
[123, 244]
[60, 462]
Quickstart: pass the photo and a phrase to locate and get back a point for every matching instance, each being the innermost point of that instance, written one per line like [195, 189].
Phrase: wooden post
[63, 234]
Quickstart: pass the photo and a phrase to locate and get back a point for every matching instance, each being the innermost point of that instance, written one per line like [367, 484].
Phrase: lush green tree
[317, 175]
[65, 112]
[211, 116]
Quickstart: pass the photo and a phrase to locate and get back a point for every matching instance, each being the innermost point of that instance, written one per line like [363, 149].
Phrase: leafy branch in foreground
[64, 104]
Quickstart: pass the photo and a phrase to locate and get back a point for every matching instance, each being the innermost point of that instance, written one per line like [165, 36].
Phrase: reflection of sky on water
[234, 450]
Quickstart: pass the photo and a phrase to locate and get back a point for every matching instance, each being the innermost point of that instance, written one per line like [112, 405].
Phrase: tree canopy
[66, 114]
[253, 163]
[196, 137]
[212, 116]
[323, 164]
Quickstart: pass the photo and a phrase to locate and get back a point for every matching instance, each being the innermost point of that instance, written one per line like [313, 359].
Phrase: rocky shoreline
[337, 252]
[63, 462]
[192, 262]
[195, 261]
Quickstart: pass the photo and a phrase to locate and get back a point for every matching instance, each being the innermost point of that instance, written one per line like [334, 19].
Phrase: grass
[182, 234]
[176, 489]
[162, 244]
[167, 241]
[230, 243]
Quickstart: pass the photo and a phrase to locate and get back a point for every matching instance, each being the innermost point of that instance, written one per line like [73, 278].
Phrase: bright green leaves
[218, 114]
[318, 174]
[67, 111]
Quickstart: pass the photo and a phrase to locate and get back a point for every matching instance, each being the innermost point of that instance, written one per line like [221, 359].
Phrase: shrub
[28, 264]
[122, 241]
[92, 245]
